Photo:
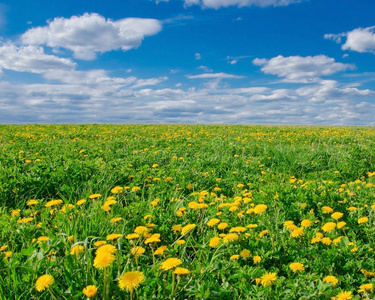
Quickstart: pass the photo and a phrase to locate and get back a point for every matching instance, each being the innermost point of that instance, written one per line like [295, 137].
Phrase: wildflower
[79, 203]
[170, 263]
[237, 229]
[330, 279]
[53, 203]
[337, 215]
[132, 236]
[366, 288]
[230, 237]
[235, 257]
[32, 202]
[181, 271]
[153, 239]
[113, 236]
[131, 280]
[75, 250]
[262, 233]
[135, 188]
[326, 241]
[328, 227]
[327, 209]
[176, 228]
[15, 212]
[268, 278]
[44, 282]
[180, 242]
[352, 208]
[341, 224]
[260, 208]
[103, 260]
[117, 190]
[4, 247]
[187, 228]
[222, 226]
[43, 239]
[297, 232]
[214, 242]
[137, 250]
[160, 250]
[106, 248]
[99, 243]
[257, 259]
[343, 296]
[362, 220]
[297, 267]
[90, 291]
[252, 226]
[213, 222]
[306, 223]
[245, 253]
[114, 220]
[141, 230]
[367, 273]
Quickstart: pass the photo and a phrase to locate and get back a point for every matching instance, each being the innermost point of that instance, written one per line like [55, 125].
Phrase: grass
[197, 173]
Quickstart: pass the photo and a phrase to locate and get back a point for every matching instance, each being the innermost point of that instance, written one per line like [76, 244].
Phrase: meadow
[186, 212]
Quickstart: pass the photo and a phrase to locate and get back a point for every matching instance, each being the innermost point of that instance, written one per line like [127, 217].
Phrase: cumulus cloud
[301, 69]
[198, 56]
[359, 40]
[220, 75]
[90, 34]
[216, 4]
[31, 59]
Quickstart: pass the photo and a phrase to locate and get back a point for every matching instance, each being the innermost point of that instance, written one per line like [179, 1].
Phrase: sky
[188, 61]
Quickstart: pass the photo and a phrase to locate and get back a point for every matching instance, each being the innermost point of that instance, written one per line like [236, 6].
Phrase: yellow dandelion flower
[103, 260]
[237, 229]
[344, 296]
[328, 227]
[90, 291]
[306, 223]
[245, 253]
[222, 226]
[180, 242]
[43, 239]
[135, 188]
[362, 220]
[53, 203]
[94, 196]
[44, 282]
[75, 250]
[297, 232]
[160, 250]
[181, 271]
[170, 263]
[368, 274]
[297, 267]
[230, 237]
[235, 257]
[80, 202]
[106, 248]
[341, 224]
[260, 208]
[141, 230]
[252, 226]
[213, 222]
[100, 243]
[32, 202]
[4, 247]
[268, 278]
[131, 280]
[113, 236]
[337, 215]
[117, 190]
[153, 239]
[326, 241]
[368, 287]
[214, 242]
[15, 212]
[132, 236]
[352, 208]
[327, 210]
[257, 259]
[137, 250]
[187, 228]
[115, 220]
[330, 279]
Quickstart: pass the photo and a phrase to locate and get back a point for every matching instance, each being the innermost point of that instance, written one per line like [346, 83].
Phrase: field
[186, 212]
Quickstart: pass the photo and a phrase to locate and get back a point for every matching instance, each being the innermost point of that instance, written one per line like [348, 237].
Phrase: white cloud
[90, 34]
[220, 75]
[359, 40]
[198, 56]
[216, 4]
[205, 69]
[31, 59]
[301, 69]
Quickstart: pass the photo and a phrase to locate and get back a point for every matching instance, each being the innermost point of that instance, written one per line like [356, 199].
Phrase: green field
[245, 212]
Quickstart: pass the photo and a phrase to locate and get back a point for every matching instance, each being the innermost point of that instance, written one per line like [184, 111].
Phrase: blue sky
[188, 61]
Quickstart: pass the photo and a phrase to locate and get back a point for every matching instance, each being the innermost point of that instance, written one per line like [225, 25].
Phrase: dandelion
[153, 239]
[326, 241]
[187, 228]
[237, 229]
[257, 259]
[327, 210]
[90, 291]
[297, 267]
[364, 288]
[170, 263]
[132, 236]
[368, 274]
[94, 196]
[113, 236]
[306, 223]
[32, 202]
[106, 248]
[341, 224]
[137, 250]
[180, 242]
[115, 220]
[337, 215]
[160, 250]
[117, 190]
[343, 296]
[231, 237]
[297, 232]
[245, 253]
[330, 279]
[44, 282]
[222, 226]
[99, 243]
[213, 222]
[214, 242]
[260, 208]
[141, 230]
[328, 227]
[234, 257]
[181, 271]
[131, 280]
[268, 278]
[75, 250]
[53, 203]
[103, 260]
[362, 220]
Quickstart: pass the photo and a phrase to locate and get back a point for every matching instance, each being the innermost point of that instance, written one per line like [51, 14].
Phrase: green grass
[295, 171]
